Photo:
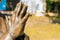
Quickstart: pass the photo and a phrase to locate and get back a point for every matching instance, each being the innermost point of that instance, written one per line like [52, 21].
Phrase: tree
[48, 4]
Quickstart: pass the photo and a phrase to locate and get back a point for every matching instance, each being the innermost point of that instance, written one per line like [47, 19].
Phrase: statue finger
[25, 18]
[18, 8]
[23, 11]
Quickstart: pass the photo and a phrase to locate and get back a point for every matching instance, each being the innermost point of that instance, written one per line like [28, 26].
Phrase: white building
[35, 6]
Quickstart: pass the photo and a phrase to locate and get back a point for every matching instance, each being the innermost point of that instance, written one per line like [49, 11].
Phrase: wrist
[9, 37]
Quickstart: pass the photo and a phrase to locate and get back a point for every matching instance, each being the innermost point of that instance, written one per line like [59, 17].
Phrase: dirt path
[39, 28]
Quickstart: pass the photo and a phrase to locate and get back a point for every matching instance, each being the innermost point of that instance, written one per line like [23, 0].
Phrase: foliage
[48, 4]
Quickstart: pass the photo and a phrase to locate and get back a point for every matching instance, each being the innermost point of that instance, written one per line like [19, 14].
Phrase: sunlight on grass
[39, 31]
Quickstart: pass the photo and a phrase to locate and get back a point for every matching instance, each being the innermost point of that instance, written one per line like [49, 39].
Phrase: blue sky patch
[3, 5]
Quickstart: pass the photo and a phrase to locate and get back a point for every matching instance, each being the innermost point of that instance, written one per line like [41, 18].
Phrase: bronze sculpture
[13, 25]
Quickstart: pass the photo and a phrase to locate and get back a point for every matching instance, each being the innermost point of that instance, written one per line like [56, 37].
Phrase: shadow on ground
[56, 20]
[22, 37]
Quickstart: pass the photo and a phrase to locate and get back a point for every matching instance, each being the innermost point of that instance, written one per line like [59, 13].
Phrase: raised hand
[16, 22]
